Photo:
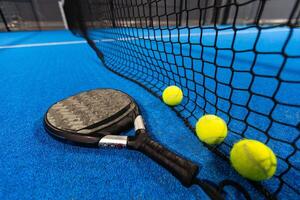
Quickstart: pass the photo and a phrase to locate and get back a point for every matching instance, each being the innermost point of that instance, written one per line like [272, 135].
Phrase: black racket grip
[184, 170]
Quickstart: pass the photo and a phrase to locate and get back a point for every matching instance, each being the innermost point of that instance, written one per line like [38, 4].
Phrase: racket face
[88, 116]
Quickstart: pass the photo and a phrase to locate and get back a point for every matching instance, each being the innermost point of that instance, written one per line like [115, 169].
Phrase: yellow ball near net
[211, 129]
[253, 160]
[172, 95]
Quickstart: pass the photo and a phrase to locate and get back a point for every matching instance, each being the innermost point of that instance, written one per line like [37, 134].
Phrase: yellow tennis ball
[172, 95]
[211, 129]
[253, 160]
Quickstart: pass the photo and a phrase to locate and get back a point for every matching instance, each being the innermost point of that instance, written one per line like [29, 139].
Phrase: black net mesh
[237, 59]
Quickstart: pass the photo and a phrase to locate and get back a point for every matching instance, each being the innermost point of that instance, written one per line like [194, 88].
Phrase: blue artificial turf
[233, 73]
[35, 166]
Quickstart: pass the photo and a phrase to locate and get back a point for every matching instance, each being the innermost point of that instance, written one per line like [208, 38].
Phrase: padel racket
[96, 117]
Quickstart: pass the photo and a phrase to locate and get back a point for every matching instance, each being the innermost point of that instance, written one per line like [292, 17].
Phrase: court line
[225, 32]
[42, 44]
[128, 39]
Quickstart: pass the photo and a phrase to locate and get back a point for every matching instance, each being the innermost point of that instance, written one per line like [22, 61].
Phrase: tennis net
[236, 59]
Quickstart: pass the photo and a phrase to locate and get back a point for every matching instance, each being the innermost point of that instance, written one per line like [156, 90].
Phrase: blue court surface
[40, 68]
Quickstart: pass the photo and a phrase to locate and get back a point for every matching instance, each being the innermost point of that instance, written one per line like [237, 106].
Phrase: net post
[216, 15]
[260, 9]
[205, 12]
[36, 16]
[62, 13]
[180, 13]
[226, 13]
[150, 14]
[4, 21]
[111, 7]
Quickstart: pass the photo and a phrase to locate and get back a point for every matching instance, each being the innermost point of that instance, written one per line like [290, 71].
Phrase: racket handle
[181, 168]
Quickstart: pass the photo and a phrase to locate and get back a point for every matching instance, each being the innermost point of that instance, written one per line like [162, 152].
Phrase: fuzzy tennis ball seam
[253, 160]
[250, 157]
[175, 95]
[211, 129]
[172, 95]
